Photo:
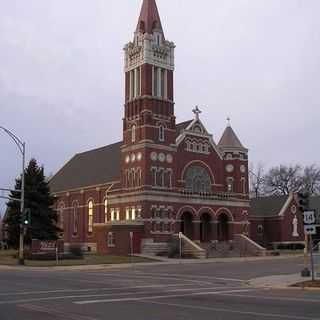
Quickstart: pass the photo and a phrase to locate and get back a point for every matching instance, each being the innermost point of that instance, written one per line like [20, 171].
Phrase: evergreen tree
[43, 225]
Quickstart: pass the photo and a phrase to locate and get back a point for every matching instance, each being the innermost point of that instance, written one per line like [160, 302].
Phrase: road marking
[61, 314]
[135, 276]
[92, 296]
[190, 276]
[273, 298]
[248, 313]
[93, 289]
[160, 297]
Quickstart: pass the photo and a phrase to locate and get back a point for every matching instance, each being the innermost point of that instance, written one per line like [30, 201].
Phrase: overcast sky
[61, 74]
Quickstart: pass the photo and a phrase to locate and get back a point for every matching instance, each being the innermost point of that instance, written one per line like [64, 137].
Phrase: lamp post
[22, 147]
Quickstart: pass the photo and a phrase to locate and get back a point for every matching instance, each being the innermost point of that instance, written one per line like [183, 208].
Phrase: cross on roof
[197, 112]
[229, 121]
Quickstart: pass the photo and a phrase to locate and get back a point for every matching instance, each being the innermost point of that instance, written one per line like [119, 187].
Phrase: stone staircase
[151, 248]
[241, 246]
[190, 248]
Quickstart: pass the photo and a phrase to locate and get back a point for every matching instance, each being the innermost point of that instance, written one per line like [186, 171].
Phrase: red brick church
[163, 177]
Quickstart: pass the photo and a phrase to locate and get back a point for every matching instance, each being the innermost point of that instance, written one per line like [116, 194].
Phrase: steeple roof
[229, 139]
[149, 19]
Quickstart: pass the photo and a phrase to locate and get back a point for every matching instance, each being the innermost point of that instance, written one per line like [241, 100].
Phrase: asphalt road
[216, 291]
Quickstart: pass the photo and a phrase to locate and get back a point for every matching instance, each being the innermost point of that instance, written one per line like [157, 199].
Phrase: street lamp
[22, 147]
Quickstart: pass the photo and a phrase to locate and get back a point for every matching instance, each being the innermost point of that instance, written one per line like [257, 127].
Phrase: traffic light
[303, 201]
[25, 217]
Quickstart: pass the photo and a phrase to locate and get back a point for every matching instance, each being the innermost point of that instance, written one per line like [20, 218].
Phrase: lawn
[7, 258]
[308, 284]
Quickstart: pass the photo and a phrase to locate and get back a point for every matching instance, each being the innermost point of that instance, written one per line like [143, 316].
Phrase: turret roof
[229, 139]
[149, 19]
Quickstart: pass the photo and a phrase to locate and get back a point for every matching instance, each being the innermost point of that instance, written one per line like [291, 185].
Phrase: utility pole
[22, 147]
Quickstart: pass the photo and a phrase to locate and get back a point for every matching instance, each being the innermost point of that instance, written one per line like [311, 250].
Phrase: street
[159, 292]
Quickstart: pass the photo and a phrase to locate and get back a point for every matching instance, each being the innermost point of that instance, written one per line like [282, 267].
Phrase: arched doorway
[223, 227]
[205, 227]
[186, 224]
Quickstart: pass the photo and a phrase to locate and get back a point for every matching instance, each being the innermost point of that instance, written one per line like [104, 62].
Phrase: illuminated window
[127, 214]
[115, 214]
[133, 133]
[105, 211]
[90, 216]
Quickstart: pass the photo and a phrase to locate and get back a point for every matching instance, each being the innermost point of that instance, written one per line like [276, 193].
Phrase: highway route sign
[309, 217]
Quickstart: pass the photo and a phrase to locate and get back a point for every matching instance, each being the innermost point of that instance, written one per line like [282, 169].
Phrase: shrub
[76, 250]
[290, 246]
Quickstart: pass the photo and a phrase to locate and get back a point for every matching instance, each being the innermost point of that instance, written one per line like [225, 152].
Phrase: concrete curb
[161, 261]
[281, 282]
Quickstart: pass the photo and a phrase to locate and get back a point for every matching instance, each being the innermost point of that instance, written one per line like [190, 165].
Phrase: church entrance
[205, 228]
[186, 224]
[223, 227]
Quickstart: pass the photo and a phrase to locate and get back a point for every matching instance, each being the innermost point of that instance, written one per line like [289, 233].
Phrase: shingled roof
[229, 139]
[267, 206]
[94, 167]
[181, 126]
[149, 17]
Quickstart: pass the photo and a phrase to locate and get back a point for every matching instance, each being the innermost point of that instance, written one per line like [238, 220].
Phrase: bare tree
[284, 179]
[256, 177]
[310, 180]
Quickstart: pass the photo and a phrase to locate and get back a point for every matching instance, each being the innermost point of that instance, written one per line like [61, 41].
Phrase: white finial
[229, 122]
[197, 112]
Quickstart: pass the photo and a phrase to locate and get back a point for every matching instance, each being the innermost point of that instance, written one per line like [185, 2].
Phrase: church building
[163, 177]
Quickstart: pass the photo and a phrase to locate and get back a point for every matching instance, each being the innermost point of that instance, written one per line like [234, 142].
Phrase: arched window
[161, 133]
[197, 180]
[90, 216]
[75, 217]
[133, 133]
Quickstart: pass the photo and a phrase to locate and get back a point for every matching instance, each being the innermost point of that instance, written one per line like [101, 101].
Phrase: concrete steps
[154, 248]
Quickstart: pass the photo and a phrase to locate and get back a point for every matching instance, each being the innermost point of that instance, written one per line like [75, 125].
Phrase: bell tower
[149, 120]
[149, 66]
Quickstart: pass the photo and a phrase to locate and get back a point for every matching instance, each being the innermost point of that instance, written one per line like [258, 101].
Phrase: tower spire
[149, 19]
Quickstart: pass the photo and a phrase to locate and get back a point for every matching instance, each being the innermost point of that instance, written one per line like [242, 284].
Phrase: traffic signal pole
[311, 258]
[21, 236]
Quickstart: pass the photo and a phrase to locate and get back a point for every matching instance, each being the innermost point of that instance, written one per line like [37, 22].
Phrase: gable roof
[267, 206]
[229, 139]
[94, 167]
[182, 126]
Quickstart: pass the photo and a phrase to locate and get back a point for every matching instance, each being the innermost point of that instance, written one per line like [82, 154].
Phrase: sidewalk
[278, 282]
[160, 261]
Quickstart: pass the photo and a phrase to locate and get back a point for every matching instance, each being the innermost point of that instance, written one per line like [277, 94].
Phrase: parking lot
[182, 291]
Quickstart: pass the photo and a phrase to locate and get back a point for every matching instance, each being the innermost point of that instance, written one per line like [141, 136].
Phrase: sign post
[309, 220]
[131, 246]
[180, 244]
